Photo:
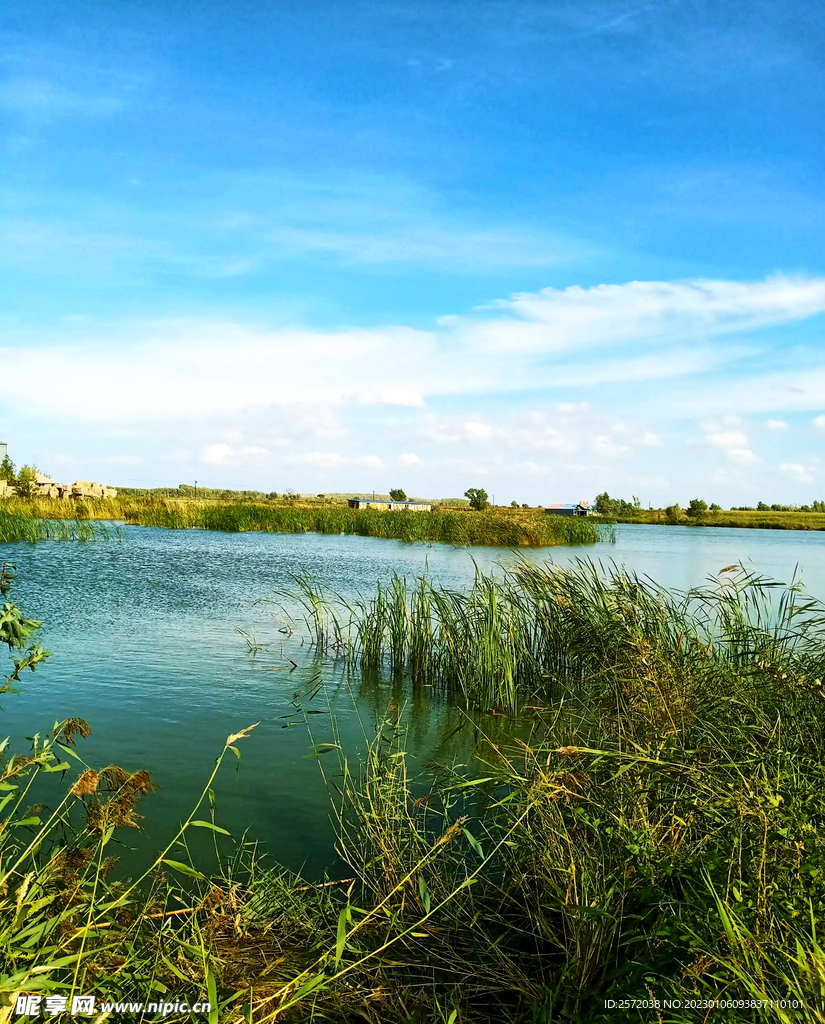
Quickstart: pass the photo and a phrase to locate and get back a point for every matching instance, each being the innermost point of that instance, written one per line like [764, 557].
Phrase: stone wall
[45, 487]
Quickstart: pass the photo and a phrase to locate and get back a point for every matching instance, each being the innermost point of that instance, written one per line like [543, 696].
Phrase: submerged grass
[500, 527]
[660, 835]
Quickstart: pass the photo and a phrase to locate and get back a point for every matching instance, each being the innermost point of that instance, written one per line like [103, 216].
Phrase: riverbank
[655, 833]
[735, 519]
[493, 527]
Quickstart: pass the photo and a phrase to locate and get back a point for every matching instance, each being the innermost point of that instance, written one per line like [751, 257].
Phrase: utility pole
[196, 489]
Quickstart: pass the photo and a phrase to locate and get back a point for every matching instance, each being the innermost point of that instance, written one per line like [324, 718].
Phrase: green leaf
[174, 969]
[341, 937]
[308, 986]
[68, 750]
[476, 845]
[184, 869]
[212, 989]
[424, 892]
[322, 748]
[208, 824]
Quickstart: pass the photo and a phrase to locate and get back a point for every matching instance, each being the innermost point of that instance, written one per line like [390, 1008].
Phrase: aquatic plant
[17, 528]
[501, 527]
[659, 832]
[539, 632]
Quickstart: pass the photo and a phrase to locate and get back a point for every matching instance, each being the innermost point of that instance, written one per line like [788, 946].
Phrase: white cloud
[477, 431]
[794, 471]
[729, 439]
[236, 396]
[330, 460]
[193, 369]
[410, 398]
[553, 320]
[573, 427]
[323, 460]
[217, 454]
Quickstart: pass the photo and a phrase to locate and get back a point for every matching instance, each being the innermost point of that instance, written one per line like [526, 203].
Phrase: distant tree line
[697, 508]
[608, 506]
[761, 506]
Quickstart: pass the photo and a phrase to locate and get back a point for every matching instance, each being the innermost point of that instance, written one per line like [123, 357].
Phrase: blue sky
[547, 249]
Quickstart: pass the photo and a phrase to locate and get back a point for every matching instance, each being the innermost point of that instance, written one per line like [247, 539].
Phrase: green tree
[25, 481]
[674, 512]
[7, 470]
[715, 508]
[605, 504]
[478, 498]
[513, 504]
[397, 494]
[697, 508]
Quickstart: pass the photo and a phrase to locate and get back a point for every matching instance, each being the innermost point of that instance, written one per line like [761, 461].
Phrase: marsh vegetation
[493, 526]
[652, 822]
[17, 526]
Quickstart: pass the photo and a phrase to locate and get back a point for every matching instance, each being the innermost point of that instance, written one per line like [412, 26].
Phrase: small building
[390, 506]
[580, 508]
[4, 450]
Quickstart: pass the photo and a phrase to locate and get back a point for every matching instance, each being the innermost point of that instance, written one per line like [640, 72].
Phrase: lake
[145, 646]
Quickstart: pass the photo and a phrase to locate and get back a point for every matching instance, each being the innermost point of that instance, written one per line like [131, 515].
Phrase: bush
[697, 508]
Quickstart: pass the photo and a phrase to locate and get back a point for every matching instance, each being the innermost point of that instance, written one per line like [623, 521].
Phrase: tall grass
[25, 528]
[659, 835]
[500, 527]
[734, 518]
[537, 633]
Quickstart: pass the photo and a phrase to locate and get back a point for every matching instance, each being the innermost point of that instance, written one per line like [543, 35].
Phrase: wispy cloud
[185, 368]
[41, 97]
[553, 320]
[433, 401]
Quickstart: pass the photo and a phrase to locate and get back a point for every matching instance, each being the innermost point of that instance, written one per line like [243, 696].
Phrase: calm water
[145, 649]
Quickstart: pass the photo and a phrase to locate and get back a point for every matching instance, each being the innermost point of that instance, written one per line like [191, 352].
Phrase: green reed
[22, 528]
[498, 527]
[658, 830]
[534, 633]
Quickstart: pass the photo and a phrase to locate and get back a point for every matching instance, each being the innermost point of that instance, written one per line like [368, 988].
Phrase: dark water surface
[145, 648]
